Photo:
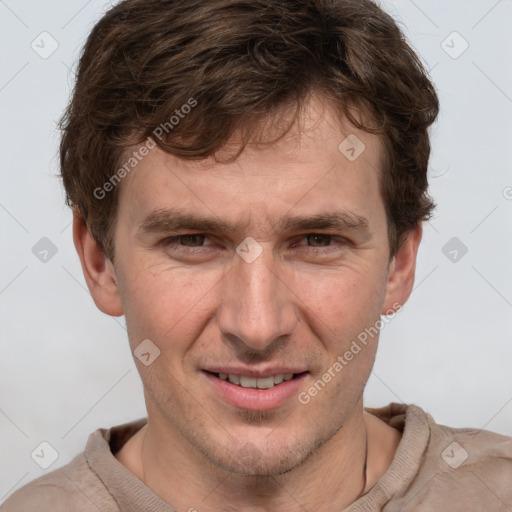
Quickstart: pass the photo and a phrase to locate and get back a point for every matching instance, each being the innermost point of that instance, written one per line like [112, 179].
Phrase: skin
[293, 305]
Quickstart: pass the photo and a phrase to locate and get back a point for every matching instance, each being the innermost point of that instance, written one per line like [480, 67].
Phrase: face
[243, 274]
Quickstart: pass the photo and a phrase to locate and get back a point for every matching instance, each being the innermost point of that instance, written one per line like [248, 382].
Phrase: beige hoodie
[435, 469]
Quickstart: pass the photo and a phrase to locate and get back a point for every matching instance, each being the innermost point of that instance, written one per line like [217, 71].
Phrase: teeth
[266, 383]
[234, 379]
[248, 382]
[253, 382]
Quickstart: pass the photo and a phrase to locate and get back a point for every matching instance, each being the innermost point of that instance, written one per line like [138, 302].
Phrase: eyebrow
[171, 220]
[339, 220]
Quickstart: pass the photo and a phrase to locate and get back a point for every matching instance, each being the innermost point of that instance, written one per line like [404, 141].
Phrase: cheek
[341, 302]
[167, 305]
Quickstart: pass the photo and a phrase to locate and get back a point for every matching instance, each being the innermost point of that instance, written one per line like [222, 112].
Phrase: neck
[335, 473]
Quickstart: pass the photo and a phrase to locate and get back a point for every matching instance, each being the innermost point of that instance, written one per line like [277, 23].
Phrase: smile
[261, 391]
[256, 383]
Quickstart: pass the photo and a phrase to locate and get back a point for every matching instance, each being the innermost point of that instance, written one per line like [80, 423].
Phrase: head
[223, 120]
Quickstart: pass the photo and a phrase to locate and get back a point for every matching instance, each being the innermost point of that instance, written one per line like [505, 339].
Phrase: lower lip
[251, 399]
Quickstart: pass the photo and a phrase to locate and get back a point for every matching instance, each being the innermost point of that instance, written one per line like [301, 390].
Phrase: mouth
[256, 392]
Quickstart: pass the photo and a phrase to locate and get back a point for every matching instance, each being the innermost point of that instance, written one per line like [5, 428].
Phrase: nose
[257, 307]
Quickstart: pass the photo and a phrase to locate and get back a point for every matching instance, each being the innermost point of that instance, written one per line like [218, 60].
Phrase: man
[248, 182]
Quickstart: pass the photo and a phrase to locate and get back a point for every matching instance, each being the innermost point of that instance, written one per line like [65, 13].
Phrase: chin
[261, 459]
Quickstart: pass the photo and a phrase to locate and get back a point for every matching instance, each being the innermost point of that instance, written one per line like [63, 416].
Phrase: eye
[320, 244]
[195, 240]
[191, 242]
[191, 247]
[318, 240]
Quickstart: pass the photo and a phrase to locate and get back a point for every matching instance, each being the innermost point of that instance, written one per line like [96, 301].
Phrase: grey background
[66, 369]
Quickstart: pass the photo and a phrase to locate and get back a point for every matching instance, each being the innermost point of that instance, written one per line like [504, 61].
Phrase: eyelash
[194, 249]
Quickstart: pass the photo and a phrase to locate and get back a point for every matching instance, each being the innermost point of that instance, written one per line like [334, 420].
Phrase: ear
[401, 272]
[97, 268]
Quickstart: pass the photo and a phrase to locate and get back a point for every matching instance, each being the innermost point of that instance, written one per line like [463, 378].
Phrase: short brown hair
[240, 61]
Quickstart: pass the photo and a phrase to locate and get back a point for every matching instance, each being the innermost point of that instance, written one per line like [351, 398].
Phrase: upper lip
[257, 373]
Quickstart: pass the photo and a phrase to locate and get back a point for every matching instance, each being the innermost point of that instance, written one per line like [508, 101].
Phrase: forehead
[322, 163]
